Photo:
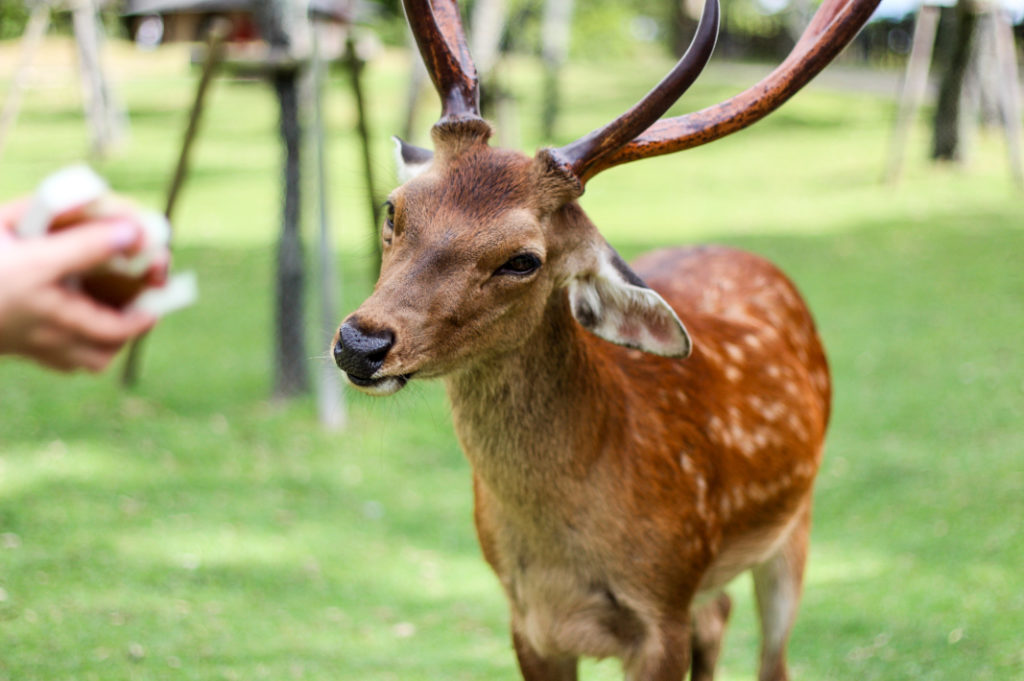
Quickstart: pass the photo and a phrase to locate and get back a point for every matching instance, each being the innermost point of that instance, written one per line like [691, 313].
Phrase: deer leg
[535, 667]
[777, 585]
[663, 656]
[709, 622]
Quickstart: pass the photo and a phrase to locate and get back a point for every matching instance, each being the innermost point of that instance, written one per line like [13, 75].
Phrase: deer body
[607, 508]
[638, 437]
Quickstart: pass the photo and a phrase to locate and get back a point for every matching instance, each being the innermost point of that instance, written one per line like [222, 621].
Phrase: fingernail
[125, 234]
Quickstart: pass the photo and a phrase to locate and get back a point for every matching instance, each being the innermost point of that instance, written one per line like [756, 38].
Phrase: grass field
[192, 529]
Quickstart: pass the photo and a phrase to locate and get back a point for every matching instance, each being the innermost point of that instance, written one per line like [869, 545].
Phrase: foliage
[13, 17]
[192, 530]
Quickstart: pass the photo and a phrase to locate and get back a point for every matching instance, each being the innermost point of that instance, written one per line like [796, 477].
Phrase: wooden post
[914, 85]
[487, 26]
[291, 376]
[555, 34]
[949, 143]
[38, 22]
[106, 119]
[284, 25]
[214, 57]
[330, 399]
[355, 67]
[417, 81]
[1006, 60]
[486, 29]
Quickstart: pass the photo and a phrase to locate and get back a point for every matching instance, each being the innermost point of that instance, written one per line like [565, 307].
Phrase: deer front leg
[663, 656]
[709, 622]
[534, 667]
[777, 585]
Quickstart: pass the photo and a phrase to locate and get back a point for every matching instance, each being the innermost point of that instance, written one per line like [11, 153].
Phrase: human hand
[44, 319]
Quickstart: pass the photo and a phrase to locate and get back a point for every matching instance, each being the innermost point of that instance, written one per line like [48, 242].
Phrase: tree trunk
[948, 141]
[355, 68]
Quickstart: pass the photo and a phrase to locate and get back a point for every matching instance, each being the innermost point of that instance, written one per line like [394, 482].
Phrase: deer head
[480, 243]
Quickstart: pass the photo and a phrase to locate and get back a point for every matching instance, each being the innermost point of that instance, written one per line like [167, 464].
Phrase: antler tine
[577, 157]
[831, 28]
[442, 42]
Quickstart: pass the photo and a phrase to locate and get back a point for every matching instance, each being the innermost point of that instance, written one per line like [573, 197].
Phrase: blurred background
[234, 513]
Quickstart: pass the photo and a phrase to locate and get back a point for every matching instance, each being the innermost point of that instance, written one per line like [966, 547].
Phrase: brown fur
[616, 492]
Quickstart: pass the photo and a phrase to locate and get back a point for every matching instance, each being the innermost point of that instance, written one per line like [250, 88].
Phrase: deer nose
[361, 353]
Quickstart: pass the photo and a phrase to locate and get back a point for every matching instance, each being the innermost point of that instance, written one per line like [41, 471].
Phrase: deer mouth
[381, 385]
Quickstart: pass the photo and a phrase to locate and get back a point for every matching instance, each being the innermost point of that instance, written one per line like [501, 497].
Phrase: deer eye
[520, 265]
[389, 221]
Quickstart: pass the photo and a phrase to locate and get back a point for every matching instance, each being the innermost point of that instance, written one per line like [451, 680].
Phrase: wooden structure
[256, 42]
[190, 20]
[996, 57]
[108, 124]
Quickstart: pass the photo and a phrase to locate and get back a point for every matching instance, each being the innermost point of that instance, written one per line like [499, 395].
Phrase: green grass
[193, 529]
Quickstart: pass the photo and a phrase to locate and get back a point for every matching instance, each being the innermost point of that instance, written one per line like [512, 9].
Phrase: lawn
[194, 529]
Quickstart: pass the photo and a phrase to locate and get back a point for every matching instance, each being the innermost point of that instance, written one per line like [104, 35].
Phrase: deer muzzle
[361, 353]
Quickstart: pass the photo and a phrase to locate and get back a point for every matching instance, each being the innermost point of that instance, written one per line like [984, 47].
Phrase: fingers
[78, 250]
[78, 333]
[96, 324]
[62, 356]
[10, 213]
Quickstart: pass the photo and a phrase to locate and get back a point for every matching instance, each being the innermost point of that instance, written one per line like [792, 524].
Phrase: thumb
[77, 250]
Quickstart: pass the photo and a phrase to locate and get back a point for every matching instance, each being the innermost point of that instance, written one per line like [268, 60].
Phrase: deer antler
[442, 42]
[578, 157]
[833, 26]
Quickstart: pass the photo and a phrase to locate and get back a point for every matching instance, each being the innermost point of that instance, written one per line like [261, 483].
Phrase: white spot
[687, 465]
[713, 357]
[772, 412]
[734, 352]
[709, 301]
[702, 495]
[796, 425]
[762, 437]
[718, 432]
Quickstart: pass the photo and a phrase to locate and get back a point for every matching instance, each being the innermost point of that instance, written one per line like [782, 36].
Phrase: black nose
[361, 353]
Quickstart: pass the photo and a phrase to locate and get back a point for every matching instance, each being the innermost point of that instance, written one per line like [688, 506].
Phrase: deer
[639, 434]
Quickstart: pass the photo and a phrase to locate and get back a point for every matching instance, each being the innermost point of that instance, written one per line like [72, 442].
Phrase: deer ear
[615, 304]
[410, 159]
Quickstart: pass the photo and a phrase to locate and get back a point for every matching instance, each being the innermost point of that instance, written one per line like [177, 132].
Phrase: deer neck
[530, 421]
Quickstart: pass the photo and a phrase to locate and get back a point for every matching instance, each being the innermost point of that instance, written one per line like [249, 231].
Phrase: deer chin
[379, 386]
